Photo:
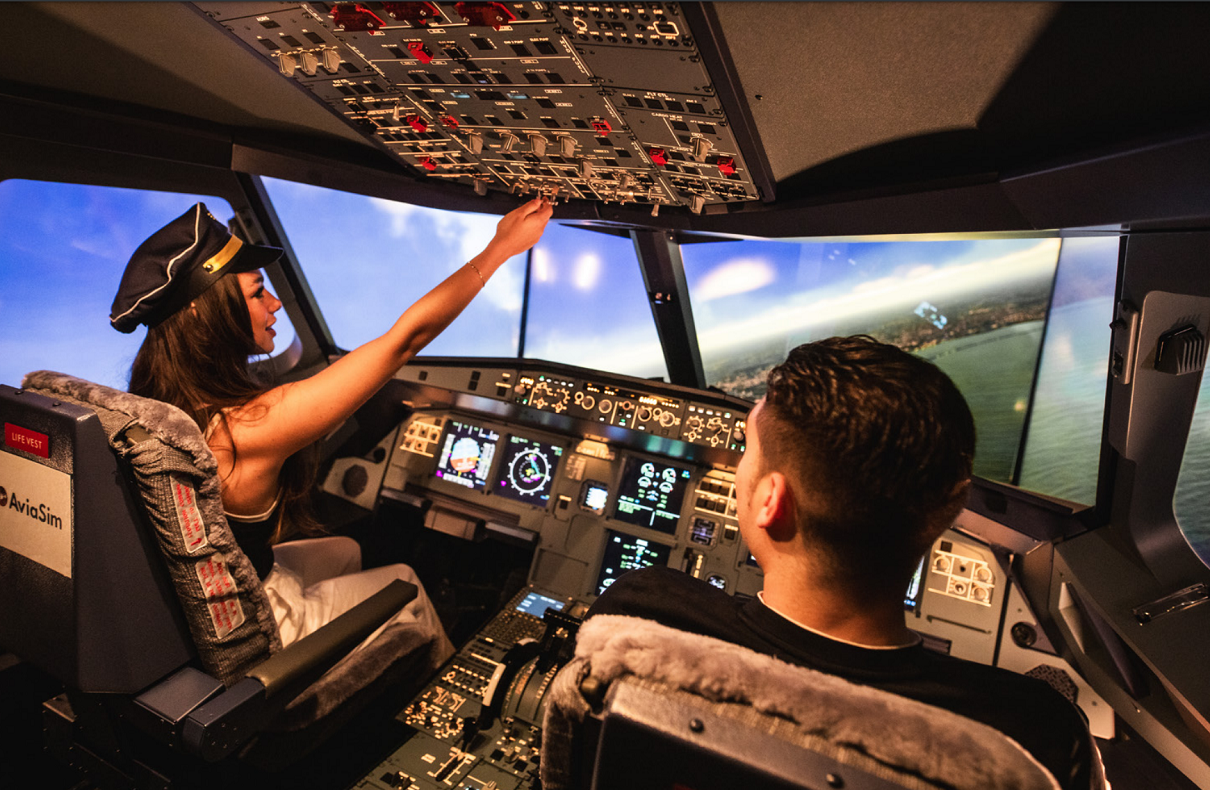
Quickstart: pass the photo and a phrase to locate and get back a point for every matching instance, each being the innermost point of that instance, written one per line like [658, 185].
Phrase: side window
[368, 259]
[974, 308]
[1193, 485]
[1063, 447]
[64, 248]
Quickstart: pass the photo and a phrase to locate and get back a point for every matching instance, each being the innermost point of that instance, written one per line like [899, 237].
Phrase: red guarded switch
[494, 15]
[602, 126]
[449, 122]
[415, 14]
[420, 51]
[658, 156]
[726, 165]
[417, 123]
[427, 163]
[355, 18]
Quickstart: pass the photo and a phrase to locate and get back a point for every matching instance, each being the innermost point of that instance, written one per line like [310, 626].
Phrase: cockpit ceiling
[716, 109]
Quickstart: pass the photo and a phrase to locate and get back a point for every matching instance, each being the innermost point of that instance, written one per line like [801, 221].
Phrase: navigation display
[466, 454]
[626, 553]
[650, 494]
[528, 470]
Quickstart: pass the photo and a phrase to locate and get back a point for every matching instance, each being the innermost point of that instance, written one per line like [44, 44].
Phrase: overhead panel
[575, 101]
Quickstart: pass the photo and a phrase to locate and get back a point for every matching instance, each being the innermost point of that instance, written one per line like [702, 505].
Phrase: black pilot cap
[177, 264]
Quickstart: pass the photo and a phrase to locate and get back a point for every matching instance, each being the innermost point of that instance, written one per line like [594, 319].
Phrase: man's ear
[775, 507]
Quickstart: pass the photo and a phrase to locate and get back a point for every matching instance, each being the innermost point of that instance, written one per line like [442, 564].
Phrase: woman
[203, 324]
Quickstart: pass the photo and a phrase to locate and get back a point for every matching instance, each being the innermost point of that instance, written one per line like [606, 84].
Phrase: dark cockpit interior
[1017, 192]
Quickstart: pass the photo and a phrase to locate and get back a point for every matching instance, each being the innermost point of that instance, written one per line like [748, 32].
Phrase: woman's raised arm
[289, 417]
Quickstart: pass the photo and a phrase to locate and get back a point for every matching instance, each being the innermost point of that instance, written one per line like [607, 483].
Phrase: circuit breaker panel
[594, 101]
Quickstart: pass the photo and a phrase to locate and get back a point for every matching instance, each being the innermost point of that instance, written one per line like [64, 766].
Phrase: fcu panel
[577, 101]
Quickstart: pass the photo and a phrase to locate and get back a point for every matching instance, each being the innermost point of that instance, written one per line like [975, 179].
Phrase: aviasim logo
[39, 512]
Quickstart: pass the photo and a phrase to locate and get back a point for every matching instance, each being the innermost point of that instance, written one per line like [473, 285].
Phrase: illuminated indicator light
[449, 122]
[427, 163]
[495, 15]
[601, 126]
[420, 51]
[726, 165]
[417, 123]
[356, 18]
[415, 14]
[658, 156]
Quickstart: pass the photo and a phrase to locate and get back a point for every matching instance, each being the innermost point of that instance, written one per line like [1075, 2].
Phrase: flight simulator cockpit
[1014, 192]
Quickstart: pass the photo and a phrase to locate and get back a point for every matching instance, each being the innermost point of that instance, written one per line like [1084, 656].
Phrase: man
[858, 457]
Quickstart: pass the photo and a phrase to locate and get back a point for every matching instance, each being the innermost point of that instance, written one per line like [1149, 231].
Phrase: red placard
[29, 441]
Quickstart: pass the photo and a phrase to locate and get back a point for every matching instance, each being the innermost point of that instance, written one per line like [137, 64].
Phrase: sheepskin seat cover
[915, 744]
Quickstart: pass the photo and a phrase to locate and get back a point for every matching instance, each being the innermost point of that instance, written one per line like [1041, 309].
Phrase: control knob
[644, 414]
[605, 406]
[588, 402]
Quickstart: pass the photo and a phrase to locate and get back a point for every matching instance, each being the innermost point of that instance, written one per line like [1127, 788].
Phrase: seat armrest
[219, 726]
[291, 670]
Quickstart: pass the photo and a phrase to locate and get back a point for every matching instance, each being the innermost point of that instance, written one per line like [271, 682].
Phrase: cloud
[736, 277]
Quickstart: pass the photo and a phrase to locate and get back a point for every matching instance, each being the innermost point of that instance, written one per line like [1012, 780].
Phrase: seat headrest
[918, 739]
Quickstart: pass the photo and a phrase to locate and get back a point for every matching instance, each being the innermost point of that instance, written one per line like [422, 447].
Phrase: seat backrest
[84, 596]
[642, 705]
[144, 464]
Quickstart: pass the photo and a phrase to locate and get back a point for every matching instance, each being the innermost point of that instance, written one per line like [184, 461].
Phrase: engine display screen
[626, 553]
[466, 454]
[650, 494]
[527, 472]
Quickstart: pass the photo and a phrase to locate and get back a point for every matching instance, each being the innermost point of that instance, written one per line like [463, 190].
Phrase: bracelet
[476, 268]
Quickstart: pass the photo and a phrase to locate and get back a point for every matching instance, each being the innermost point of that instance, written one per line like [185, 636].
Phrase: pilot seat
[644, 706]
[122, 580]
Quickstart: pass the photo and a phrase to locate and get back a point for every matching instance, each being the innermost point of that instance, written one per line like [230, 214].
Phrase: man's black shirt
[1027, 710]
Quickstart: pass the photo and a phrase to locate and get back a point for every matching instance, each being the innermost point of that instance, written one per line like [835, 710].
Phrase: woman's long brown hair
[197, 360]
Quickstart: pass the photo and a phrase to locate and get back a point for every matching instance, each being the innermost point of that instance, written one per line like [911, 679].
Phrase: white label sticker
[227, 615]
[35, 512]
[215, 578]
[193, 529]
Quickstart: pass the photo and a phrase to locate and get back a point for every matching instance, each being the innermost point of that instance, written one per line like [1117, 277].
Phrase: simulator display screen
[625, 553]
[650, 494]
[466, 454]
[537, 604]
[527, 472]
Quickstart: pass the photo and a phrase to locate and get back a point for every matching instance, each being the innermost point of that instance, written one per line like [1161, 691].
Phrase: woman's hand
[521, 228]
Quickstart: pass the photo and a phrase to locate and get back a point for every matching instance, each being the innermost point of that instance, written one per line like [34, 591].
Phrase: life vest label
[24, 439]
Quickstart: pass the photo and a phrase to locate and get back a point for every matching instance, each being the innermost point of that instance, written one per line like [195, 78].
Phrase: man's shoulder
[667, 596]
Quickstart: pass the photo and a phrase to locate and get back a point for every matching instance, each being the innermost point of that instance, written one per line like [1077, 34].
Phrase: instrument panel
[525, 463]
[710, 426]
[602, 101]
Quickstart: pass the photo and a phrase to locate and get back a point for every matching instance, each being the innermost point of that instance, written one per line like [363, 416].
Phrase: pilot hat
[176, 265]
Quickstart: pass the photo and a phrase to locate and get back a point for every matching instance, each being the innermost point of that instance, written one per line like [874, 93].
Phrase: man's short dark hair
[876, 443]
